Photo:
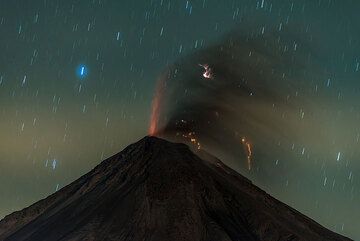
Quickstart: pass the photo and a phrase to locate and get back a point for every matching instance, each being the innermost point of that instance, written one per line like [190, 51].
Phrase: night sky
[79, 81]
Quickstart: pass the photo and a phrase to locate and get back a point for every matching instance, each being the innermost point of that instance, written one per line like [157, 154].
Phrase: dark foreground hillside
[156, 190]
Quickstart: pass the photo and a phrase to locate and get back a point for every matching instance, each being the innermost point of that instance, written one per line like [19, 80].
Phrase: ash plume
[255, 92]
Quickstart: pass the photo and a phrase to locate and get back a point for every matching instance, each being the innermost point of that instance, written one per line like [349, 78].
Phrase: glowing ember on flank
[248, 149]
[208, 72]
[192, 138]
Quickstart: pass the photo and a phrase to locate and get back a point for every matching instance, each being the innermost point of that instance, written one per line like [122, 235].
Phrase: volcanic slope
[155, 190]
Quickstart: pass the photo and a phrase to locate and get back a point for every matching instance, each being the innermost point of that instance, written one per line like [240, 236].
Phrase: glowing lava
[248, 149]
[156, 107]
[192, 138]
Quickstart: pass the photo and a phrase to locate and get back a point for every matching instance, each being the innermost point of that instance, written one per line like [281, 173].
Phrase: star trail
[270, 87]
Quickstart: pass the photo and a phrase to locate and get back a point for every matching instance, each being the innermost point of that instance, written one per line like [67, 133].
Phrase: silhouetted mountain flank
[155, 190]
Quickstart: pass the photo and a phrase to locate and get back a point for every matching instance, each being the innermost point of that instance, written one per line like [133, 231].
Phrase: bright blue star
[82, 71]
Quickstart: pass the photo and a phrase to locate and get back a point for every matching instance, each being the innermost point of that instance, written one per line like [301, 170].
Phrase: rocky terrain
[155, 190]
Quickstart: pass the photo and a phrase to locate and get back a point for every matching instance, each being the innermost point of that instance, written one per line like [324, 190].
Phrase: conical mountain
[155, 190]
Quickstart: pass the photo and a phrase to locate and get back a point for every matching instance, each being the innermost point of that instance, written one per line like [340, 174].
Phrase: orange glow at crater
[156, 107]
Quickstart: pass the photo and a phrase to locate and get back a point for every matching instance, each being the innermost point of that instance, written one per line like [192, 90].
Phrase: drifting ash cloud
[251, 92]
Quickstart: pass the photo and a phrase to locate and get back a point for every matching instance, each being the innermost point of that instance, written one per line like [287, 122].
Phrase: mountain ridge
[158, 190]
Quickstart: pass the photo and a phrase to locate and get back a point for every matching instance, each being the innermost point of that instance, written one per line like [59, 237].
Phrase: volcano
[156, 190]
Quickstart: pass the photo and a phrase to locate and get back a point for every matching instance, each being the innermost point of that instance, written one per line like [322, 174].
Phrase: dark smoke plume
[258, 91]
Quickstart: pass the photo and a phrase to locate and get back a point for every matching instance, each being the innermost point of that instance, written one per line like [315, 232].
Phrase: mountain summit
[156, 190]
